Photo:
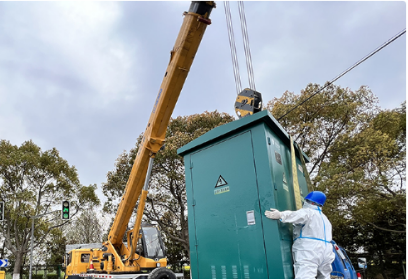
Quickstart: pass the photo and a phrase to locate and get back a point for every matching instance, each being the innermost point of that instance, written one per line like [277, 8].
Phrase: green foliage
[34, 182]
[358, 158]
[166, 202]
[55, 247]
[116, 180]
[319, 122]
[42, 276]
[175, 253]
[87, 196]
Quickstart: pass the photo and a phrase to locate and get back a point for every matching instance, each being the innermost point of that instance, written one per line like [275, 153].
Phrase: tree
[357, 154]
[166, 202]
[328, 116]
[55, 247]
[86, 228]
[32, 183]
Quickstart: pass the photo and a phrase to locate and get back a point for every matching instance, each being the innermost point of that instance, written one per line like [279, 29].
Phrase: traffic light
[1, 211]
[65, 210]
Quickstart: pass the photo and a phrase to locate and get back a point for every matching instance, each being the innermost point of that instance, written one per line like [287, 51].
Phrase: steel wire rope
[347, 70]
[247, 50]
[233, 49]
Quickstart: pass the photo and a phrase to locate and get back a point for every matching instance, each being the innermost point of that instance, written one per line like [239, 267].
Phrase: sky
[83, 76]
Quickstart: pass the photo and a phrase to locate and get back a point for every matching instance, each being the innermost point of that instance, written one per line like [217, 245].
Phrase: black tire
[161, 273]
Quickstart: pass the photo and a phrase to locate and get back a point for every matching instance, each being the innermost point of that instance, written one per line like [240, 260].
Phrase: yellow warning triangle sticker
[221, 182]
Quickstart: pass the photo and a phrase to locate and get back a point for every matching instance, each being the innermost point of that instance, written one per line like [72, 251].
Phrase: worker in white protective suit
[312, 232]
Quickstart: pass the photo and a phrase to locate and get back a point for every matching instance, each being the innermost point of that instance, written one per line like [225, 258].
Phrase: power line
[348, 70]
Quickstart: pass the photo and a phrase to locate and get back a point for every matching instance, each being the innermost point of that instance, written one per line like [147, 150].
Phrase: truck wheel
[161, 273]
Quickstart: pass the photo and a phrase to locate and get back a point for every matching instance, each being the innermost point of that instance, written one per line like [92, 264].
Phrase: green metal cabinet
[233, 174]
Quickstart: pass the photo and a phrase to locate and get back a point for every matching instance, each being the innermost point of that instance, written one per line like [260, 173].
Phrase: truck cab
[77, 262]
[151, 245]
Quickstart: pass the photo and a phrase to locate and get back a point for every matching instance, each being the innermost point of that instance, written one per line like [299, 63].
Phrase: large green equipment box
[233, 174]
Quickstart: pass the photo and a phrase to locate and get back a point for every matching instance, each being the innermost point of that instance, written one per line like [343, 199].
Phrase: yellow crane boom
[182, 56]
[145, 252]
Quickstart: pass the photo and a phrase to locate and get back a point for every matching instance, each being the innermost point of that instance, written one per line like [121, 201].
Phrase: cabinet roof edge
[233, 128]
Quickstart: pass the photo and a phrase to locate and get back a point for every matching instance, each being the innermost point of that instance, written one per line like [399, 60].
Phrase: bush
[37, 276]
[52, 276]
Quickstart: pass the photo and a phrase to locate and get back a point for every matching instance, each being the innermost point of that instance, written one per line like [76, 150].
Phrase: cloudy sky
[83, 76]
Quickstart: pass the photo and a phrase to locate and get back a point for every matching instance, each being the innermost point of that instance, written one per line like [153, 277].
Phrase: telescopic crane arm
[137, 257]
[182, 56]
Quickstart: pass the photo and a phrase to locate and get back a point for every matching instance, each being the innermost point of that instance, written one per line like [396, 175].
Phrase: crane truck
[144, 255]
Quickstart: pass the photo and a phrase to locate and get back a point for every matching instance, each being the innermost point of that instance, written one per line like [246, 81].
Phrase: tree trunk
[188, 251]
[2, 250]
[17, 266]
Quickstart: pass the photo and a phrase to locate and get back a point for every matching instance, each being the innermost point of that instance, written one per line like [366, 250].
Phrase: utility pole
[32, 236]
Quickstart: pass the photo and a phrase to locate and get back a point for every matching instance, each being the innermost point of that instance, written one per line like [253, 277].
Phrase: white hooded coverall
[312, 251]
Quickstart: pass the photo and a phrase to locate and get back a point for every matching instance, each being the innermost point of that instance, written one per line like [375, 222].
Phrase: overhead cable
[348, 70]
